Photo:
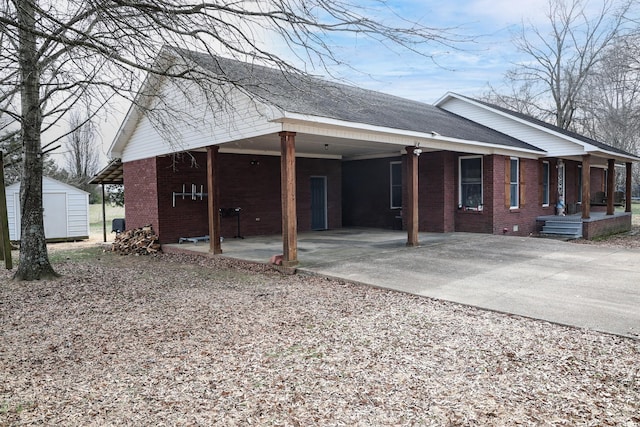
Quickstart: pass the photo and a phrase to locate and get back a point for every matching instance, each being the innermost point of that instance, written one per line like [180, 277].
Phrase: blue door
[318, 202]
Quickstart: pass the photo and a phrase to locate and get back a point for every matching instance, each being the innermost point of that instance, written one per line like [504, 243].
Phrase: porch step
[562, 228]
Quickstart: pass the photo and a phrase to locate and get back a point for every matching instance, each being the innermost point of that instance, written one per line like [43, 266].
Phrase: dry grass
[174, 340]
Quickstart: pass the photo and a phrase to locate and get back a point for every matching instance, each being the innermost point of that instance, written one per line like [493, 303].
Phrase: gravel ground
[177, 340]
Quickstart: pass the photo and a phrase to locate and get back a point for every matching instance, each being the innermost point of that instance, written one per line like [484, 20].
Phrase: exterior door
[318, 202]
[55, 215]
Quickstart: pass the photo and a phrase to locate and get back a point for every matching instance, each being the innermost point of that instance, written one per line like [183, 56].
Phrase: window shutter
[507, 182]
[522, 183]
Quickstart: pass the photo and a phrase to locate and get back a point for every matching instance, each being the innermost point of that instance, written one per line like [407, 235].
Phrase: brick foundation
[599, 227]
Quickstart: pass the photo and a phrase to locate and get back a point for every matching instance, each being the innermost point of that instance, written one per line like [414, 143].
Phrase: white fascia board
[610, 154]
[405, 137]
[588, 148]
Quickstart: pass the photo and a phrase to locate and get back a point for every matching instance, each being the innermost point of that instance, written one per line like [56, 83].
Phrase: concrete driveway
[580, 285]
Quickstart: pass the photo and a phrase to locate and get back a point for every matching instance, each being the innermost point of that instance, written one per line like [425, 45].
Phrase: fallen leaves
[177, 340]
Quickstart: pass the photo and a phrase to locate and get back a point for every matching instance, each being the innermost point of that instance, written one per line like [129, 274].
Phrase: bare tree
[56, 54]
[561, 59]
[11, 147]
[612, 98]
[81, 152]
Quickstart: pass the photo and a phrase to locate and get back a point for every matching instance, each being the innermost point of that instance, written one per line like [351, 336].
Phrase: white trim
[546, 162]
[516, 182]
[588, 148]
[316, 125]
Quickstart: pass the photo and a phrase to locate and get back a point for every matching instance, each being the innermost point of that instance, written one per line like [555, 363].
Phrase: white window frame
[514, 182]
[460, 201]
[392, 184]
[546, 201]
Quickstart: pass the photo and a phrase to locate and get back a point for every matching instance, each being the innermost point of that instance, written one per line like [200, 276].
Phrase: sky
[467, 70]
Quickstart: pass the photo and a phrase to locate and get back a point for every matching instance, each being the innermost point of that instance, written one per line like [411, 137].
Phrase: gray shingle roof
[313, 96]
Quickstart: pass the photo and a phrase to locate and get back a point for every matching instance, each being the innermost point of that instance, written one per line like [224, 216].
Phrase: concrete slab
[579, 285]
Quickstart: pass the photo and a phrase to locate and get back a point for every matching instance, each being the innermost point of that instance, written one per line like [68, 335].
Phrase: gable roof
[312, 96]
[573, 136]
[50, 182]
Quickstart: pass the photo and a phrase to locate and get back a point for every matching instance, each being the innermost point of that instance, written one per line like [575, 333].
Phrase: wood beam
[412, 193]
[611, 179]
[586, 186]
[627, 189]
[212, 200]
[288, 196]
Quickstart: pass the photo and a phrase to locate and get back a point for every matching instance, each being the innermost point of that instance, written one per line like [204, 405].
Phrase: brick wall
[366, 193]
[358, 194]
[437, 191]
[188, 218]
[611, 225]
[141, 195]
[477, 221]
[597, 180]
[520, 221]
[253, 184]
[249, 182]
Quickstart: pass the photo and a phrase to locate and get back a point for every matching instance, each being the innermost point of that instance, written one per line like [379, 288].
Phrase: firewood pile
[139, 241]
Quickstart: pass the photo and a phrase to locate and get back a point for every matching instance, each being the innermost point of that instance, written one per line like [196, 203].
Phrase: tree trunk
[34, 261]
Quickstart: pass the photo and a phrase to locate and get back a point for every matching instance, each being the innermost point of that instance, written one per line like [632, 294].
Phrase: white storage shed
[66, 211]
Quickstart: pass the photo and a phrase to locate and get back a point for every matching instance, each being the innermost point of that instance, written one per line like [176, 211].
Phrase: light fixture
[326, 147]
[417, 151]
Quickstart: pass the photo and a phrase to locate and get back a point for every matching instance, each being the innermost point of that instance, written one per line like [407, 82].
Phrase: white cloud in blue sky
[467, 70]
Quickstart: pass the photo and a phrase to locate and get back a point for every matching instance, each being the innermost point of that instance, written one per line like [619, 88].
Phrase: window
[470, 191]
[396, 184]
[514, 174]
[546, 175]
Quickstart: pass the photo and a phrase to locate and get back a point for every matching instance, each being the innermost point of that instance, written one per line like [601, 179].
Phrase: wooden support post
[586, 186]
[104, 215]
[412, 193]
[288, 196]
[5, 244]
[611, 180]
[627, 188]
[212, 200]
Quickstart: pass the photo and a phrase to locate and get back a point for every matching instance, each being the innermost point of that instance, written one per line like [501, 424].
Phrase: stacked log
[139, 241]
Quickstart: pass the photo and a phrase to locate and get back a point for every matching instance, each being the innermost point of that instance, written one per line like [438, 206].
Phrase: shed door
[318, 202]
[55, 215]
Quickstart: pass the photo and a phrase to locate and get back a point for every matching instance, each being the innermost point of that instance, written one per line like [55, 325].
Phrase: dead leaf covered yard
[175, 340]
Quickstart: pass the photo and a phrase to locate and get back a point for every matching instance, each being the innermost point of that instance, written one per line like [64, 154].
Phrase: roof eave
[588, 148]
[430, 139]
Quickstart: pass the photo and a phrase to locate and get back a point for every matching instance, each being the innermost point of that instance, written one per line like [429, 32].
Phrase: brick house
[295, 153]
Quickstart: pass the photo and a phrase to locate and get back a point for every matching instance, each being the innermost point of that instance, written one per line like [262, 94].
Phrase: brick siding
[249, 182]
